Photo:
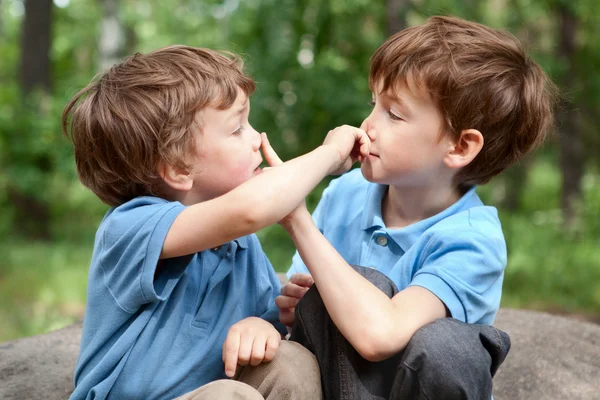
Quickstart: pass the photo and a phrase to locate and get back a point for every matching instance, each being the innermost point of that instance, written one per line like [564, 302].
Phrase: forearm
[366, 317]
[261, 201]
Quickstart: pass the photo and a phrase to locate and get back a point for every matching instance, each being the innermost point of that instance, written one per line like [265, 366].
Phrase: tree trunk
[396, 15]
[113, 38]
[35, 46]
[571, 143]
[32, 214]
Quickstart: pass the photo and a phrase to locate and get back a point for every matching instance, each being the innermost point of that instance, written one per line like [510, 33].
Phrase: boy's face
[227, 150]
[407, 147]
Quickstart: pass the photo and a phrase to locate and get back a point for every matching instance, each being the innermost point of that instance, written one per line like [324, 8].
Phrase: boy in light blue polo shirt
[180, 292]
[455, 103]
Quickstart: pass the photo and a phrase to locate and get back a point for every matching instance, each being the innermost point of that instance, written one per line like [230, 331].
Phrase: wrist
[332, 156]
[295, 220]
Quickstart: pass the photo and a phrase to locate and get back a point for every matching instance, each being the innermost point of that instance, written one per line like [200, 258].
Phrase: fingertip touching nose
[368, 127]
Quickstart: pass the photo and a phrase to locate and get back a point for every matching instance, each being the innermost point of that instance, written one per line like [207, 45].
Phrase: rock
[40, 367]
[552, 358]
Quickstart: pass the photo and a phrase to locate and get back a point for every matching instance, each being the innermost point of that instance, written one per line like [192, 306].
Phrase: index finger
[270, 156]
[230, 353]
[304, 280]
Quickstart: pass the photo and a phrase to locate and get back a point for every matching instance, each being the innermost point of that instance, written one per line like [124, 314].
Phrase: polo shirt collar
[407, 236]
[372, 214]
[242, 242]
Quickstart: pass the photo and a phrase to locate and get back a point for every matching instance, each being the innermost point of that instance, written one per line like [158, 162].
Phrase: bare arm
[376, 326]
[262, 200]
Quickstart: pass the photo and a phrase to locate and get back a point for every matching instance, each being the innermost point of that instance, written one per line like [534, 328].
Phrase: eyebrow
[397, 99]
[240, 110]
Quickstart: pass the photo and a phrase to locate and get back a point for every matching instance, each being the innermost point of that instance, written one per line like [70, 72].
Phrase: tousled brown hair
[142, 112]
[481, 78]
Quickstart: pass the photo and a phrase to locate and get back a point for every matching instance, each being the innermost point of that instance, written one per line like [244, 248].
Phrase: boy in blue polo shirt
[455, 103]
[180, 291]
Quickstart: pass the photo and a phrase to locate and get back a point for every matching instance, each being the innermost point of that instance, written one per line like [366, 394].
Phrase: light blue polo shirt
[459, 254]
[157, 332]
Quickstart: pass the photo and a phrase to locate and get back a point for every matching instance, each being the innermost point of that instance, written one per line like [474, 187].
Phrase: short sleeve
[132, 239]
[465, 271]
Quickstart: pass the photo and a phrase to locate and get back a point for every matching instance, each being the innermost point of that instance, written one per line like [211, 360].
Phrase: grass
[43, 285]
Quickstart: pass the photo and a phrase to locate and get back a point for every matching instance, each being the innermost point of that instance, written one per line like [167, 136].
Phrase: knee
[449, 355]
[297, 365]
[298, 373]
[223, 388]
[438, 345]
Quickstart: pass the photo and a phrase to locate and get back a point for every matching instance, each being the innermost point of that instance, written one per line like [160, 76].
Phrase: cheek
[239, 165]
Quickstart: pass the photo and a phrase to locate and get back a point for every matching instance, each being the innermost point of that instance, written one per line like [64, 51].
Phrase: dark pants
[446, 359]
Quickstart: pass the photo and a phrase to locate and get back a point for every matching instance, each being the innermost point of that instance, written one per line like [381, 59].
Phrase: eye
[238, 130]
[394, 117]
[372, 103]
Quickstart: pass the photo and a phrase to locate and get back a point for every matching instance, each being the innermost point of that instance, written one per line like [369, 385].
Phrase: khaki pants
[292, 375]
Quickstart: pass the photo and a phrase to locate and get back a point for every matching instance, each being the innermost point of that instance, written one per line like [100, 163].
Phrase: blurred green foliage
[310, 59]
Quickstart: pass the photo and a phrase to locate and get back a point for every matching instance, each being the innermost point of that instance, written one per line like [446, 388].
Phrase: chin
[367, 172]
[370, 175]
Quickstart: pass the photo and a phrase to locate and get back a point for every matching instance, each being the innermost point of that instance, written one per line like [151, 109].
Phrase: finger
[258, 350]
[271, 347]
[286, 316]
[293, 290]
[230, 353]
[283, 302]
[302, 280]
[364, 146]
[269, 153]
[246, 343]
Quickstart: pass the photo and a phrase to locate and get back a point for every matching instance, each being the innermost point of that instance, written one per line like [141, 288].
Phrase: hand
[251, 341]
[351, 143]
[291, 293]
[273, 160]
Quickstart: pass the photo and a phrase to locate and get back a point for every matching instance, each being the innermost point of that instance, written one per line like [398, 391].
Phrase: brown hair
[481, 78]
[142, 112]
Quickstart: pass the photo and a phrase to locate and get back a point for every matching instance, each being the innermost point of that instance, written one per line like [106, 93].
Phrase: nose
[368, 127]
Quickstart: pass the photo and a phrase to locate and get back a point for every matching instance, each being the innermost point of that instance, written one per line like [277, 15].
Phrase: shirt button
[382, 240]
[216, 248]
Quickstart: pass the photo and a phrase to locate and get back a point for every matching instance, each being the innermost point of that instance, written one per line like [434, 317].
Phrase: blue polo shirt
[155, 329]
[459, 254]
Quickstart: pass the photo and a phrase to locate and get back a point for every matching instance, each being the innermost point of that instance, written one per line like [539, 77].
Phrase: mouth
[258, 169]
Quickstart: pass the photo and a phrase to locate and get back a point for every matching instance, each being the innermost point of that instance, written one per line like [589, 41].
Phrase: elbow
[378, 346]
[374, 351]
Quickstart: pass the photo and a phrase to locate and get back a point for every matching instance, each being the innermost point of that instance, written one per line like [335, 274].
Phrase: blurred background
[310, 59]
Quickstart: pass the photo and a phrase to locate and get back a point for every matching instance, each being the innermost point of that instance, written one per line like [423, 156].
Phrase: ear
[175, 177]
[462, 151]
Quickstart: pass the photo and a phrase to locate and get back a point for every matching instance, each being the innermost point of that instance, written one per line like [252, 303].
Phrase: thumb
[270, 156]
